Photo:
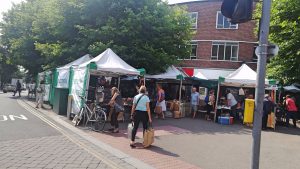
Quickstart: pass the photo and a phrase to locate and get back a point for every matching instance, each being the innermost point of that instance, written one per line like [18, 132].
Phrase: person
[268, 107]
[31, 89]
[117, 106]
[18, 88]
[291, 110]
[195, 98]
[40, 91]
[140, 112]
[160, 101]
[210, 104]
[231, 102]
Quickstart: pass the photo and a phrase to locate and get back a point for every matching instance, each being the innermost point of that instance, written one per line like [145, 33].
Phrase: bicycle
[97, 116]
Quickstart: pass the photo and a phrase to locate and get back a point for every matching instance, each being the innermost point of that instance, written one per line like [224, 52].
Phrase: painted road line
[63, 132]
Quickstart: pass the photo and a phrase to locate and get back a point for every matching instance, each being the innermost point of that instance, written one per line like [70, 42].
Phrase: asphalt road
[25, 127]
[28, 142]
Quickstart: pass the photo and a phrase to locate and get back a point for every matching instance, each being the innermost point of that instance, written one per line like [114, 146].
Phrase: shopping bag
[148, 137]
[158, 109]
[129, 130]
[271, 120]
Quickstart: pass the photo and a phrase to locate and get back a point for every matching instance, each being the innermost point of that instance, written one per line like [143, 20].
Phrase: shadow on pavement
[287, 130]
[156, 149]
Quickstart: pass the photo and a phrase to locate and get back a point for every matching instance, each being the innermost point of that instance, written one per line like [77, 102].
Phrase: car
[9, 88]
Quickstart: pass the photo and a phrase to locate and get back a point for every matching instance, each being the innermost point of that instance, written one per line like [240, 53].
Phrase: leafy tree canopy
[285, 32]
[43, 34]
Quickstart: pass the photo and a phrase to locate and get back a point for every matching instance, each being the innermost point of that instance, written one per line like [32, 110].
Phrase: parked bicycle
[96, 116]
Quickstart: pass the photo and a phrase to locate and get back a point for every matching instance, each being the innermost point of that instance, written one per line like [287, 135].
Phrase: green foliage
[7, 70]
[285, 32]
[43, 34]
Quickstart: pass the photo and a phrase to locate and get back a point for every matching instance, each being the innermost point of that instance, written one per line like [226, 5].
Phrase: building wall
[206, 33]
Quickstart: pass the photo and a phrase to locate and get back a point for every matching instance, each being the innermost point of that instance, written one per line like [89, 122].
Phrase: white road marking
[12, 117]
[79, 143]
[3, 118]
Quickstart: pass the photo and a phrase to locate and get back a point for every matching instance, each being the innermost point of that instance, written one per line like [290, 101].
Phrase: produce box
[225, 120]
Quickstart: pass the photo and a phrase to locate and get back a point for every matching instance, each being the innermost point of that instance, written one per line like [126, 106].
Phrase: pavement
[179, 143]
[31, 139]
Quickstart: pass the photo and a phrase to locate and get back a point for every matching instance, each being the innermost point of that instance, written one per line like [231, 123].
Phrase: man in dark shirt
[268, 107]
[18, 88]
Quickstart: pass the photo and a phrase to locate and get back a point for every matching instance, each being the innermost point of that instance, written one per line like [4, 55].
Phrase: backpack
[206, 100]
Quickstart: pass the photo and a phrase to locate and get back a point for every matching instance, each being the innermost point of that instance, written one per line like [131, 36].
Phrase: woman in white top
[140, 112]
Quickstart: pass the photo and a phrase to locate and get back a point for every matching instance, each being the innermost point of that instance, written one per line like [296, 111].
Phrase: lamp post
[260, 83]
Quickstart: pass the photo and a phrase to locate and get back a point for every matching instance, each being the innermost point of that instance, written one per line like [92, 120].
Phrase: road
[26, 141]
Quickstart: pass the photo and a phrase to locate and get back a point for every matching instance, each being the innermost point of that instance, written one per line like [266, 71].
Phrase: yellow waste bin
[249, 110]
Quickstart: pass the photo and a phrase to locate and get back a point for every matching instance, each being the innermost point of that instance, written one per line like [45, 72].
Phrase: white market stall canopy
[292, 88]
[171, 73]
[110, 62]
[213, 74]
[244, 76]
[64, 71]
[200, 75]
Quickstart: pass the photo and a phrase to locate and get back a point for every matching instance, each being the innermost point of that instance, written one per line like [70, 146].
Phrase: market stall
[61, 84]
[177, 90]
[242, 84]
[100, 73]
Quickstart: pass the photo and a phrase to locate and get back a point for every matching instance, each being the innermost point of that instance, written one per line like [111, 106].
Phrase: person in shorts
[195, 98]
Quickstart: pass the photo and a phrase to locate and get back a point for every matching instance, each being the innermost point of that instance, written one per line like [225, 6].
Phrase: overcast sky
[6, 4]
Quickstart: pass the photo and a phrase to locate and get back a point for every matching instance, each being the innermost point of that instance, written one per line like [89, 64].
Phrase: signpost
[260, 82]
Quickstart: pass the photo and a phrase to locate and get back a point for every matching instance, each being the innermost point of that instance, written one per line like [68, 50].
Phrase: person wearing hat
[268, 107]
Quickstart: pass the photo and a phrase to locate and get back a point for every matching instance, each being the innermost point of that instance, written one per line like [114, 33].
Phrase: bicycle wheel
[79, 117]
[100, 120]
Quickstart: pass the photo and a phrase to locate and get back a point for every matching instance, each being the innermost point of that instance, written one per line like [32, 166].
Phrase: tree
[285, 32]
[7, 70]
[43, 34]
[145, 33]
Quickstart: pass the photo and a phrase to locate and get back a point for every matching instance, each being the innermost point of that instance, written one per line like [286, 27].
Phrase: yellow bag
[148, 137]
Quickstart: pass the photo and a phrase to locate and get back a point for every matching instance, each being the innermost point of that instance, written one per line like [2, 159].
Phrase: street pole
[260, 82]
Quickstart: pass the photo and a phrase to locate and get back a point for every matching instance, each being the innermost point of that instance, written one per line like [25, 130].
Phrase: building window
[194, 19]
[254, 58]
[193, 51]
[223, 23]
[225, 51]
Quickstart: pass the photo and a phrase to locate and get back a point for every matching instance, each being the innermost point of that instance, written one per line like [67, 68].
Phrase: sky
[7, 4]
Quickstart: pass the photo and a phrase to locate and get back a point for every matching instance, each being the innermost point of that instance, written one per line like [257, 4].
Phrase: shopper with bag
[117, 106]
[140, 112]
[160, 107]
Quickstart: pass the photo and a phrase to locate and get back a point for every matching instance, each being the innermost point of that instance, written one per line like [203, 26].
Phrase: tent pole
[119, 79]
[180, 90]
[144, 81]
[218, 92]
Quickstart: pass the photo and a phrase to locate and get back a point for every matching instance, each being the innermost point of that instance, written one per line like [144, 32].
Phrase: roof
[110, 62]
[200, 75]
[77, 62]
[243, 76]
[292, 88]
[213, 74]
[171, 73]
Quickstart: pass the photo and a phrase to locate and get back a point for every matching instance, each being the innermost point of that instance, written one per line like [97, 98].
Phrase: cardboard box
[177, 114]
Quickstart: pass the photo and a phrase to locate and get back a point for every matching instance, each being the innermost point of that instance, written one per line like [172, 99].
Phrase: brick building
[218, 47]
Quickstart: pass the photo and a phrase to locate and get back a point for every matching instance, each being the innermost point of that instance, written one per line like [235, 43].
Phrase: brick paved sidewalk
[193, 143]
[155, 156]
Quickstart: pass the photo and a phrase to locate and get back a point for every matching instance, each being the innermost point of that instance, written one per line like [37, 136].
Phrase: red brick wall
[207, 15]
[206, 32]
